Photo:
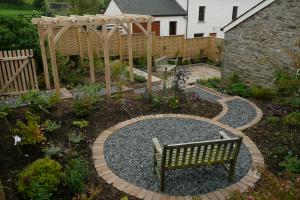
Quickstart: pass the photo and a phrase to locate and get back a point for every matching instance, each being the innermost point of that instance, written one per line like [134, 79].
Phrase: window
[201, 13]
[234, 12]
[172, 28]
[198, 35]
[213, 34]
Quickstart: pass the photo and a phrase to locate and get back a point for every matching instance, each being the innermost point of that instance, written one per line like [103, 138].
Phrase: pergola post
[106, 60]
[91, 55]
[44, 58]
[149, 57]
[130, 57]
[53, 57]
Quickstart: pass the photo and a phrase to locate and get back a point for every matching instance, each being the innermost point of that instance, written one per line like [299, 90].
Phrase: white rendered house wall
[218, 13]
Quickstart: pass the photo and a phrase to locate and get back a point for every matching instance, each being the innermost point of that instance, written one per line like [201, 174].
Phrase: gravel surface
[129, 154]
[203, 94]
[239, 114]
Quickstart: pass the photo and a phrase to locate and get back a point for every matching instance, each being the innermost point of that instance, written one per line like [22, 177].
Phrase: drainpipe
[187, 20]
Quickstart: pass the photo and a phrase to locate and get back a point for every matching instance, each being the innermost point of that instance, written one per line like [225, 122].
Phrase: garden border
[104, 171]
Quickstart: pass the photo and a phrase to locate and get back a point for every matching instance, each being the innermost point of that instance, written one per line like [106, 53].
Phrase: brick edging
[104, 171]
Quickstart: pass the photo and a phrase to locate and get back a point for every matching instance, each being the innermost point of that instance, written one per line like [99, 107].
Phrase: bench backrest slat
[200, 153]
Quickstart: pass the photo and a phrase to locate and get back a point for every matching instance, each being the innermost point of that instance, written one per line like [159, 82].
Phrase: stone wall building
[265, 38]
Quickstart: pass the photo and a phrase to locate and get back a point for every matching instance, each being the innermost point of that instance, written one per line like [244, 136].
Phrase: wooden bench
[165, 62]
[197, 154]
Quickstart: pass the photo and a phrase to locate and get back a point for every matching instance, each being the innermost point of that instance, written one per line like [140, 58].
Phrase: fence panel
[17, 72]
[171, 46]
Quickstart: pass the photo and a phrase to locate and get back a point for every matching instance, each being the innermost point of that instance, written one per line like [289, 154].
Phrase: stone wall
[268, 40]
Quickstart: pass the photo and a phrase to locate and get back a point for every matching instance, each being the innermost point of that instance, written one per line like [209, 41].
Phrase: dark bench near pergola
[89, 24]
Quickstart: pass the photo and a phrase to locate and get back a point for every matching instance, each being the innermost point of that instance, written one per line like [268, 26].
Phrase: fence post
[2, 195]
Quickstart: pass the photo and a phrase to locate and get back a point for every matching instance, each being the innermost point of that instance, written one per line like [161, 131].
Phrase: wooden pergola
[89, 24]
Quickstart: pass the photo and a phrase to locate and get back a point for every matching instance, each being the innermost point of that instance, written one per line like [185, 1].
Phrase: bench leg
[162, 179]
[231, 170]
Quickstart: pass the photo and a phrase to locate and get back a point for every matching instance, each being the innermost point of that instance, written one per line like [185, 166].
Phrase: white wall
[165, 25]
[218, 13]
[113, 9]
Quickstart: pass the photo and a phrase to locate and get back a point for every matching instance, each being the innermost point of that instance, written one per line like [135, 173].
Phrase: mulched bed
[108, 113]
[274, 140]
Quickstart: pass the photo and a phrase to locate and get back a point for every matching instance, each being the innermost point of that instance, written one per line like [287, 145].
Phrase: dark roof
[151, 7]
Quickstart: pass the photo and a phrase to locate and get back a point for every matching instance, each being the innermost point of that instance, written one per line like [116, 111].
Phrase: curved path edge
[104, 171]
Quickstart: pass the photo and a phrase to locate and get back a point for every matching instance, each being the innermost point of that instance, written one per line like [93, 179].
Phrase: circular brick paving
[105, 172]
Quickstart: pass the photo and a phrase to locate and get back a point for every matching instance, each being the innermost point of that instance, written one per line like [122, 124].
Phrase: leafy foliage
[29, 131]
[157, 101]
[38, 102]
[259, 92]
[211, 82]
[119, 75]
[51, 126]
[81, 123]
[76, 138]
[272, 188]
[76, 174]
[86, 98]
[287, 83]
[291, 164]
[181, 78]
[45, 173]
[292, 119]
[173, 102]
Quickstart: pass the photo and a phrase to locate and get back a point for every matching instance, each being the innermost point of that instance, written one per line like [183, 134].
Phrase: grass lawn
[15, 10]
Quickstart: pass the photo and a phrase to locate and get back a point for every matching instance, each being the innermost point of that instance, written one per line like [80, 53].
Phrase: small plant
[211, 82]
[76, 138]
[30, 131]
[52, 150]
[76, 174]
[45, 173]
[287, 83]
[291, 164]
[173, 102]
[51, 126]
[292, 119]
[39, 192]
[259, 92]
[139, 79]
[273, 120]
[86, 98]
[157, 101]
[240, 89]
[4, 111]
[37, 102]
[119, 75]
[81, 123]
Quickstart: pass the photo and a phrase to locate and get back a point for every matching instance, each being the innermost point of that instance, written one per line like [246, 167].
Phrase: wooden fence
[17, 72]
[74, 42]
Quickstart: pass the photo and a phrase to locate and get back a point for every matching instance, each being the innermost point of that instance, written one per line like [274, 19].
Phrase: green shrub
[140, 62]
[81, 123]
[291, 164]
[173, 102]
[37, 102]
[87, 97]
[273, 120]
[120, 75]
[287, 83]
[39, 192]
[139, 79]
[30, 131]
[292, 119]
[5, 109]
[16, 33]
[45, 173]
[52, 150]
[259, 92]
[240, 89]
[211, 82]
[51, 126]
[76, 138]
[76, 174]
[157, 101]
[292, 101]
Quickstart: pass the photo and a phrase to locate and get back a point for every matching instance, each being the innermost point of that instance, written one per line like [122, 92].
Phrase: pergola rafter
[89, 24]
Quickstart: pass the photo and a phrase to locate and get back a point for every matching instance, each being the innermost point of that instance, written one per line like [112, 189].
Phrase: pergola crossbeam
[89, 24]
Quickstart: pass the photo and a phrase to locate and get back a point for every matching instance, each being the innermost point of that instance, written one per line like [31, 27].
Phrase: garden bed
[107, 113]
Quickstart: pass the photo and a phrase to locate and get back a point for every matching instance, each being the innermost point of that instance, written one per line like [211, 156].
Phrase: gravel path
[129, 154]
[239, 114]
[203, 94]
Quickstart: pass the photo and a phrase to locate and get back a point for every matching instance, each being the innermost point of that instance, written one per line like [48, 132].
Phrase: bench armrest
[157, 145]
[223, 135]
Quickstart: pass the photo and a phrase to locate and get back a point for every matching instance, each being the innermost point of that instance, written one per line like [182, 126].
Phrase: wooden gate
[17, 72]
